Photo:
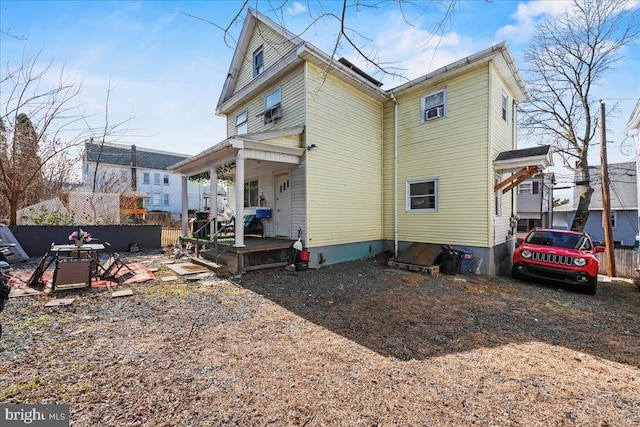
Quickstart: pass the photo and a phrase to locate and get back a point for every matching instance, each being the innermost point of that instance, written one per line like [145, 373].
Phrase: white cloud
[296, 9]
[528, 14]
[414, 50]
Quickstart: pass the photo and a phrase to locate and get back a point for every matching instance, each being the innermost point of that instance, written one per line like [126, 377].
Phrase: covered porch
[259, 169]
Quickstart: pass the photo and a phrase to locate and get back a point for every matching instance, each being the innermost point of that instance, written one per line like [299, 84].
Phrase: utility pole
[606, 204]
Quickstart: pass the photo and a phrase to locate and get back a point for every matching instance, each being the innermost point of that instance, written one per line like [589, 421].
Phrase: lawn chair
[110, 268]
[72, 273]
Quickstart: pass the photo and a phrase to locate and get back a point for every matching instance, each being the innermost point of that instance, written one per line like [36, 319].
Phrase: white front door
[283, 205]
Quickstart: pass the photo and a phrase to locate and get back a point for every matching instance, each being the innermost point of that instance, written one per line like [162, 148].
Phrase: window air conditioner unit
[273, 113]
[434, 113]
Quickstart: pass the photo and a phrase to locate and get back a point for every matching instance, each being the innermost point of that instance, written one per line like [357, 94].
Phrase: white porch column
[185, 207]
[239, 221]
[213, 209]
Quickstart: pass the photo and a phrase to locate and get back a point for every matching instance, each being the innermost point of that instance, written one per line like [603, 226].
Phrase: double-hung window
[434, 105]
[422, 194]
[241, 123]
[165, 201]
[258, 62]
[525, 188]
[251, 193]
[272, 110]
[505, 103]
[156, 179]
[145, 178]
[165, 179]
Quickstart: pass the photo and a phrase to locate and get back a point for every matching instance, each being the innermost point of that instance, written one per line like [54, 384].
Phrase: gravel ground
[351, 344]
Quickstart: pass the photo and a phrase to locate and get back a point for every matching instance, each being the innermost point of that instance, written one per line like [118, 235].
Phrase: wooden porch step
[213, 266]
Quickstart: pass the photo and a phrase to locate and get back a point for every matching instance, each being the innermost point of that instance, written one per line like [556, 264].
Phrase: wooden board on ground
[59, 301]
[187, 268]
[123, 293]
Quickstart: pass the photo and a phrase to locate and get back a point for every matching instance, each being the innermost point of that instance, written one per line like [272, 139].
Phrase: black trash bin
[464, 266]
[450, 259]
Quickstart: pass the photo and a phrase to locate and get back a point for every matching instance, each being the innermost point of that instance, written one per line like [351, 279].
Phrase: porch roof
[254, 146]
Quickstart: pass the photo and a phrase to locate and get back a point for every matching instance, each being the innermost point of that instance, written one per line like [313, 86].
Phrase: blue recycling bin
[466, 257]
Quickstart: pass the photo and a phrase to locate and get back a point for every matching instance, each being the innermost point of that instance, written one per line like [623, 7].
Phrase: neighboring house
[118, 164]
[360, 170]
[535, 202]
[633, 130]
[623, 201]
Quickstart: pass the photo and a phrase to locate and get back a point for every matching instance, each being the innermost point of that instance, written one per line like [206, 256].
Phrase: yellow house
[354, 169]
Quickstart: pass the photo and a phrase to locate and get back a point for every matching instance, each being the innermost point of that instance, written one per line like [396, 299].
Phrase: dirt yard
[356, 344]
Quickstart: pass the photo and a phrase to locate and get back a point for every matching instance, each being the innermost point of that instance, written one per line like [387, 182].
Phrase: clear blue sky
[167, 69]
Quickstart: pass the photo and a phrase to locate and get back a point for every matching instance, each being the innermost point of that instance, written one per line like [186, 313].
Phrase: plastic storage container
[263, 213]
[450, 260]
[466, 258]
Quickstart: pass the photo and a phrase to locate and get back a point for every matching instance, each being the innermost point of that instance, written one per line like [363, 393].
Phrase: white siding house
[123, 168]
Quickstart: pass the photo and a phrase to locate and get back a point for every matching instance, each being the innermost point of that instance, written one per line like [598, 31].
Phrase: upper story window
[272, 110]
[156, 179]
[242, 126]
[434, 105]
[165, 179]
[422, 195]
[258, 62]
[505, 103]
[145, 178]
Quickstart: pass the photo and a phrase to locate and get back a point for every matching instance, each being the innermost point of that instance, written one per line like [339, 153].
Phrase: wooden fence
[627, 260]
[170, 235]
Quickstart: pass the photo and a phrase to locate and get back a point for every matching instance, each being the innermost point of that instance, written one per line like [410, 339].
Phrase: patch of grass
[29, 323]
[17, 389]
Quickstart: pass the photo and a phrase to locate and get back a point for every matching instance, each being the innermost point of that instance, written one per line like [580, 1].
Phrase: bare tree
[56, 127]
[566, 60]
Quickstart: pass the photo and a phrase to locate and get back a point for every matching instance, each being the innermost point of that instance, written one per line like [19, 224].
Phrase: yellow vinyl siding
[274, 45]
[502, 139]
[291, 101]
[344, 199]
[452, 149]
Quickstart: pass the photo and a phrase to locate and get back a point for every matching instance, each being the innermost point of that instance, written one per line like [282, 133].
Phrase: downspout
[395, 176]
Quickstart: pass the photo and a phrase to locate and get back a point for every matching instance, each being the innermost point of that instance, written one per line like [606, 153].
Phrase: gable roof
[513, 160]
[500, 54]
[120, 155]
[344, 70]
[623, 193]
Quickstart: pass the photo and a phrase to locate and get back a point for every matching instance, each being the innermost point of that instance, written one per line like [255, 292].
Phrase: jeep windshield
[559, 239]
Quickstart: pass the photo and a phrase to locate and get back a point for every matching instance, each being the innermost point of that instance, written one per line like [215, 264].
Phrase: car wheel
[591, 288]
[514, 274]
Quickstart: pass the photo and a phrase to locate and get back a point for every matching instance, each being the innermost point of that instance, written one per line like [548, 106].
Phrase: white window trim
[504, 107]
[247, 181]
[146, 178]
[258, 51]
[273, 111]
[525, 188]
[243, 123]
[614, 219]
[436, 189]
[423, 108]
[165, 179]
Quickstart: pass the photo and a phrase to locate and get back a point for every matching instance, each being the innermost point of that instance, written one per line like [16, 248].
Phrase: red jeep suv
[558, 255]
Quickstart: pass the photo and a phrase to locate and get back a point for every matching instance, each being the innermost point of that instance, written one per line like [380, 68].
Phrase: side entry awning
[522, 164]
